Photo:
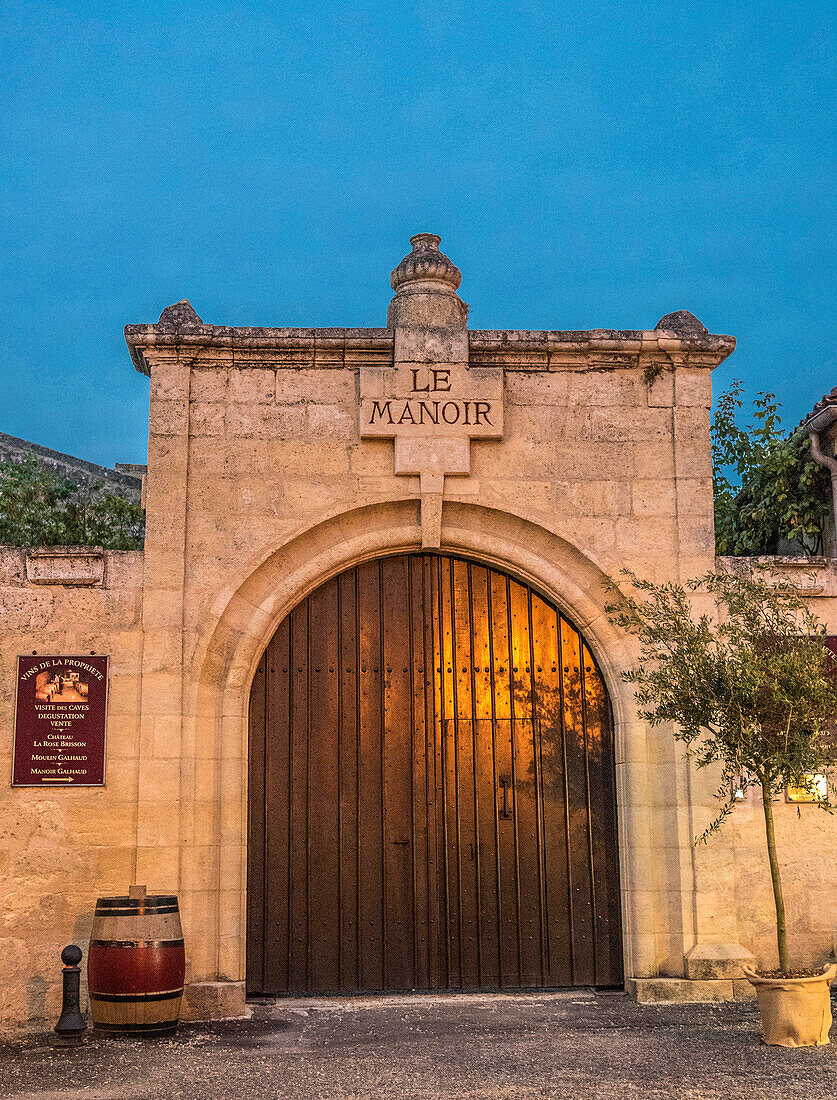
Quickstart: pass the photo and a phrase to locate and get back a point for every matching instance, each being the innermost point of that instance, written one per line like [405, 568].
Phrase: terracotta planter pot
[795, 1012]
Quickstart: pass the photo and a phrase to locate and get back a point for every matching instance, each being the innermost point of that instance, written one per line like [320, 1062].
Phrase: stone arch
[249, 611]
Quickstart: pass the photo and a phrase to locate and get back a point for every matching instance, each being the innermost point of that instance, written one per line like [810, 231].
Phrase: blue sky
[587, 165]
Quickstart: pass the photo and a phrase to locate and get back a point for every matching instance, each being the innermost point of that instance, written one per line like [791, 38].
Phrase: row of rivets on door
[476, 668]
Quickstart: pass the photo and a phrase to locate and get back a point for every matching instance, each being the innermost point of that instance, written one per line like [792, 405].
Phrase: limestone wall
[59, 849]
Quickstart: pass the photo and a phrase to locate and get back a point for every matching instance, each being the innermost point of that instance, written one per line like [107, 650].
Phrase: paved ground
[564, 1045]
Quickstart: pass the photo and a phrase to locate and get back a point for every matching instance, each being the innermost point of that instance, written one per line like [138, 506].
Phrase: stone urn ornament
[751, 687]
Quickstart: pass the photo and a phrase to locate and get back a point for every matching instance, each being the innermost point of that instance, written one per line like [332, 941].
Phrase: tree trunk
[778, 896]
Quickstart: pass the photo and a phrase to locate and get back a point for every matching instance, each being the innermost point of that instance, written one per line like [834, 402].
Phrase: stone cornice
[350, 347]
[327, 347]
[556, 350]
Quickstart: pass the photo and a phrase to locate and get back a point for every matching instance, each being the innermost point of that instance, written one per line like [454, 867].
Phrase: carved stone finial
[426, 262]
[181, 313]
[425, 285]
[683, 323]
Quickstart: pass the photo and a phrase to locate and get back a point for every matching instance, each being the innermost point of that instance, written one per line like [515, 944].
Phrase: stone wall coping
[778, 561]
[75, 566]
[65, 551]
[486, 345]
[67, 566]
[814, 576]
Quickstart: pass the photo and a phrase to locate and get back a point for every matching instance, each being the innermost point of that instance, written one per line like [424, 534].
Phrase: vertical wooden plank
[370, 780]
[501, 677]
[485, 779]
[276, 852]
[543, 936]
[603, 833]
[323, 792]
[348, 808]
[462, 630]
[525, 787]
[549, 722]
[298, 801]
[421, 794]
[450, 776]
[436, 862]
[398, 775]
[441, 648]
[581, 907]
[256, 892]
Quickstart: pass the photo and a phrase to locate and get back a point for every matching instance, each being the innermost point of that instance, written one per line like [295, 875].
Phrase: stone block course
[643, 425]
[331, 386]
[253, 385]
[652, 497]
[266, 421]
[209, 385]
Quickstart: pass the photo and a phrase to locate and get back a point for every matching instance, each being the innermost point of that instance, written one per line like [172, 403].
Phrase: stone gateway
[365, 714]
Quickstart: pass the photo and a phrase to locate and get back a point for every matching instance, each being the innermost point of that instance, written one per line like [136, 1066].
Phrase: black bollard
[71, 1024]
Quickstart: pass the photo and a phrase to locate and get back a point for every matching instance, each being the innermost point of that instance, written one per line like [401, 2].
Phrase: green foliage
[752, 689]
[651, 372]
[777, 490]
[39, 507]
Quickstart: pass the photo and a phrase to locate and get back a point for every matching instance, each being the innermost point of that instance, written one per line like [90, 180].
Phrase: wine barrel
[136, 964]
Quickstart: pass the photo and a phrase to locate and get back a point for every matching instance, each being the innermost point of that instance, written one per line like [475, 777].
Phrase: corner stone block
[214, 1001]
[678, 990]
[714, 961]
[693, 387]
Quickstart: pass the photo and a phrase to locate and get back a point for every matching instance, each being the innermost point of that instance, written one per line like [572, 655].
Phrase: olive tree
[750, 687]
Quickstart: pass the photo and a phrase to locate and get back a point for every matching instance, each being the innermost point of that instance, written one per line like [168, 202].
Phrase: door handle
[404, 842]
[505, 783]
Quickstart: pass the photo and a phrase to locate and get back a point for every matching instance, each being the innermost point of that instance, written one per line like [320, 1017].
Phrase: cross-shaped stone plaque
[432, 409]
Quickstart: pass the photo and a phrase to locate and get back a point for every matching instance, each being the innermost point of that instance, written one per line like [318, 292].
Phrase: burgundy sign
[60, 722]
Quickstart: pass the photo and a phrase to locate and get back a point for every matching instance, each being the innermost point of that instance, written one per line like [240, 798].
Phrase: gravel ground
[561, 1045]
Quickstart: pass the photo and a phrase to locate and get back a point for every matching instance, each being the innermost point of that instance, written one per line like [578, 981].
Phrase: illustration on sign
[60, 722]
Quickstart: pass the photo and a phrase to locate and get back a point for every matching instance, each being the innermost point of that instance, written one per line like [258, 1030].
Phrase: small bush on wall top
[767, 486]
[38, 507]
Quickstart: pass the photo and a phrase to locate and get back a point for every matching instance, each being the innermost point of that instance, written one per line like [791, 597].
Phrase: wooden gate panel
[349, 772]
[397, 750]
[581, 901]
[370, 780]
[431, 790]
[605, 865]
[322, 782]
[256, 833]
[546, 661]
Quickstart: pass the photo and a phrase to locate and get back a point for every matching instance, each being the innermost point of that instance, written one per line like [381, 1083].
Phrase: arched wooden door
[431, 790]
